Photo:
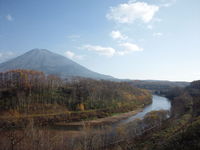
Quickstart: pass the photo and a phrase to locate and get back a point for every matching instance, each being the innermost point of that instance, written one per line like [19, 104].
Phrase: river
[109, 133]
[158, 103]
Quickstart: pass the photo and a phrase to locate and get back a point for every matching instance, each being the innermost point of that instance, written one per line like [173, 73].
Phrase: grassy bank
[20, 120]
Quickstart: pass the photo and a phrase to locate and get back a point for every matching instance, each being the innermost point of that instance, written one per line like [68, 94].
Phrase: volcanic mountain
[51, 63]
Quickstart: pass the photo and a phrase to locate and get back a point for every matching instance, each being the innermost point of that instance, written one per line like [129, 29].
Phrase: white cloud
[150, 27]
[118, 35]
[167, 3]
[72, 55]
[197, 73]
[9, 17]
[107, 51]
[73, 37]
[69, 54]
[6, 55]
[157, 20]
[129, 48]
[157, 34]
[131, 11]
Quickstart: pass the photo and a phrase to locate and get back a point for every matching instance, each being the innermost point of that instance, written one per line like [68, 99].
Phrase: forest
[29, 93]
[32, 104]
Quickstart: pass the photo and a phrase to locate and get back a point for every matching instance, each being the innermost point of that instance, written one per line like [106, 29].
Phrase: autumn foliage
[23, 89]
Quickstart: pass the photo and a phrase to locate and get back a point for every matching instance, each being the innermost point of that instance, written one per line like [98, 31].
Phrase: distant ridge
[51, 63]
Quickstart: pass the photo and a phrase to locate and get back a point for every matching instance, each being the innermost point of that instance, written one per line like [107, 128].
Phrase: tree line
[22, 89]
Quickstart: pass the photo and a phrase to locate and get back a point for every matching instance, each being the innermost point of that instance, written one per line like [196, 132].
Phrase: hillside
[50, 63]
[158, 86]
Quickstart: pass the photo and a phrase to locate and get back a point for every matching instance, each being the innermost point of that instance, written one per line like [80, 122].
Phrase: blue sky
[135, 39]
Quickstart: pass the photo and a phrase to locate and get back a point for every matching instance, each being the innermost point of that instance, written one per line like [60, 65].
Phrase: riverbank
[102, 121]
[158, 103]
[73, 118]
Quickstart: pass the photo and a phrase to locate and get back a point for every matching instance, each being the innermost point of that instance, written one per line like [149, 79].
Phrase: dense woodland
[33, 92]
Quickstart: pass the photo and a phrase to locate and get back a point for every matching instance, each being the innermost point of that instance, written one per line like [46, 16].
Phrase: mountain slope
[50, 63]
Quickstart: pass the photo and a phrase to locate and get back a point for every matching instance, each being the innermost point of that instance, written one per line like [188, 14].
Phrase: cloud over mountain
[131, 11]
